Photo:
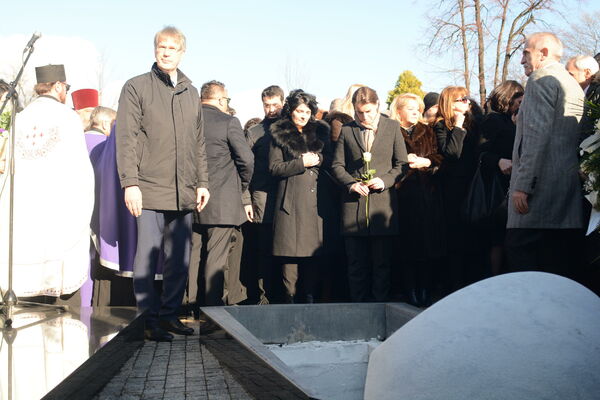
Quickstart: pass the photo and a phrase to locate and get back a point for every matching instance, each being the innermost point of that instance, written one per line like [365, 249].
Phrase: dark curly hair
[297, 97]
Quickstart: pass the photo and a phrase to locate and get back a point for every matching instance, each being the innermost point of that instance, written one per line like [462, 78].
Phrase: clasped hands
[364, 188]
[310, 159]
[417, 162]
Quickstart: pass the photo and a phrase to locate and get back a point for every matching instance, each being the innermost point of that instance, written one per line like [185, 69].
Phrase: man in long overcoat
[230, 166]
[162, 167]
[263, 189]
[545, 207]
[369, 208]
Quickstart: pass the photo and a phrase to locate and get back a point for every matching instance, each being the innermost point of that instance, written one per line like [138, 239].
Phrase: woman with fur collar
[298, 151]
[422, 240]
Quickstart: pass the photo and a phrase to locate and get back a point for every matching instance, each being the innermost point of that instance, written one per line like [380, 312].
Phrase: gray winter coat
[545, 154]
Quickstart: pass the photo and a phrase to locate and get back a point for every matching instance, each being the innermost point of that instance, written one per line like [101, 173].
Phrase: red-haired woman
[458, 139]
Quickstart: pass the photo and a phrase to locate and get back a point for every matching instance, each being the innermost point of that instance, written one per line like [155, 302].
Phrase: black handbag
[485, 196]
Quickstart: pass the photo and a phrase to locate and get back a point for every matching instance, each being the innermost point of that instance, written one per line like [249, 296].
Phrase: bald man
[545, 208]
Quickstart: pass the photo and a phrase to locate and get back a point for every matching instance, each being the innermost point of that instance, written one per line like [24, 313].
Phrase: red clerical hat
[84, 98]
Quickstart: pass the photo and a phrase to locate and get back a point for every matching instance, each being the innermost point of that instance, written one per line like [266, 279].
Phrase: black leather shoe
[207, 326]
[157, 334]
[176, 326]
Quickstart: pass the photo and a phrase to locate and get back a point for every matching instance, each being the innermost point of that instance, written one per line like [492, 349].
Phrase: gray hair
[583, 62]
[173, 32]
[100, 114]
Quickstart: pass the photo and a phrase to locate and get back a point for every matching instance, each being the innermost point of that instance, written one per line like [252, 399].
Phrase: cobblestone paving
[180, 370]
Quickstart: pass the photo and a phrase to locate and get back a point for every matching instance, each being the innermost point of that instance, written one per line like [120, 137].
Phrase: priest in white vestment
[53, 196]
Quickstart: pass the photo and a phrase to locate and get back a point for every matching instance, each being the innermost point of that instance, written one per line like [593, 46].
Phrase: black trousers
[305, 268]
[215, 273]
[172, 231]
[369, 267]
[558, 251]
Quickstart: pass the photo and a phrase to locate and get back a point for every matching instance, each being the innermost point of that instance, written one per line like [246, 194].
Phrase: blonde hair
[401, 101]
[347, 106]
[173, 32]
[446, 104]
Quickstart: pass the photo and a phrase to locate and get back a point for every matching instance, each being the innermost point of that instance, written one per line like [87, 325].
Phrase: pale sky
[248, 45]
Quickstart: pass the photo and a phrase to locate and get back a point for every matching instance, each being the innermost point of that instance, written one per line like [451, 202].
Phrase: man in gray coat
[161, 162]
[545, 208]
[230, 166]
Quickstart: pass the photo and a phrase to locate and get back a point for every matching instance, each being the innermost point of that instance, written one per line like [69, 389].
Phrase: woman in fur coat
[299, 149]
[422, 238]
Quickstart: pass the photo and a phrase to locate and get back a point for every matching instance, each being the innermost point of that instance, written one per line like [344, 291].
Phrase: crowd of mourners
[356, 203]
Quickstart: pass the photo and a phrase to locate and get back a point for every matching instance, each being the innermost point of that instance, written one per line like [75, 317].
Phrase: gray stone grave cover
[526, 335]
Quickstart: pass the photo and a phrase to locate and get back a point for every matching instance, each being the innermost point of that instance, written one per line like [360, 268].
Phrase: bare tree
[466, 25]
[480, 50]
[451, 29]
[516, 35]
[503, 5]
[583, 35]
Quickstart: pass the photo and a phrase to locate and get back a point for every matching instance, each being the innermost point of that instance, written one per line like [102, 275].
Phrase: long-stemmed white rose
[366, 176]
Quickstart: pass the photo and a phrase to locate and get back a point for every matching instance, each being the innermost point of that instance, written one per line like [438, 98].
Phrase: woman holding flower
[367, 161]
[299, 148]
[422, 238]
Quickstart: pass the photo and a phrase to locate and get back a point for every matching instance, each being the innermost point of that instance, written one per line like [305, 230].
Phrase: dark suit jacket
[230, 166]
[388, 155]
[262, 186]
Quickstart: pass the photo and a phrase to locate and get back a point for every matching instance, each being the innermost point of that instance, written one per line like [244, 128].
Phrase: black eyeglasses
[227, 99]
[67, 86]
[463, 100]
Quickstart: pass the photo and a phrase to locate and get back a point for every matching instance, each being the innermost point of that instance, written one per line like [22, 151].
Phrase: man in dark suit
[369, 207]
[263, 189]
[545, 212]
[230, 166]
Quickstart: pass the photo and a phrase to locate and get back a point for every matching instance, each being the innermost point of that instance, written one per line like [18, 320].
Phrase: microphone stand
[10, 303]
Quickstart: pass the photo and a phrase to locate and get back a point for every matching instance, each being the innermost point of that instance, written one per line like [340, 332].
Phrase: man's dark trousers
[170, 230]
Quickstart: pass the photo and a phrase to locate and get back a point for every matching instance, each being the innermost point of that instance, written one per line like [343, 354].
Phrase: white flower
[590, 144]
[367, 156]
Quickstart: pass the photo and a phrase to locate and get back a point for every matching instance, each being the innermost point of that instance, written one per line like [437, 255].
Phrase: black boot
[424, 298]
[411, 298]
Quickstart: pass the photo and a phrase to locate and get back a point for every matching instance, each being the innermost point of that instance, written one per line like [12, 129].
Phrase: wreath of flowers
[589, 150]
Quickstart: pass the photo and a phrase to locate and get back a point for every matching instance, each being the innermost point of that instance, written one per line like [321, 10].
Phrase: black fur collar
[286, 135]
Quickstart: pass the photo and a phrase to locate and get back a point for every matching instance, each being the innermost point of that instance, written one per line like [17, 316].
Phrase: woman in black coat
[422, 239]
[498, 130]
[299, 149]
[458, 139]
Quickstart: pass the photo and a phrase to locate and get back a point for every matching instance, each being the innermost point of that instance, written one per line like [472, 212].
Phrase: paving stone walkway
[180, 370]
